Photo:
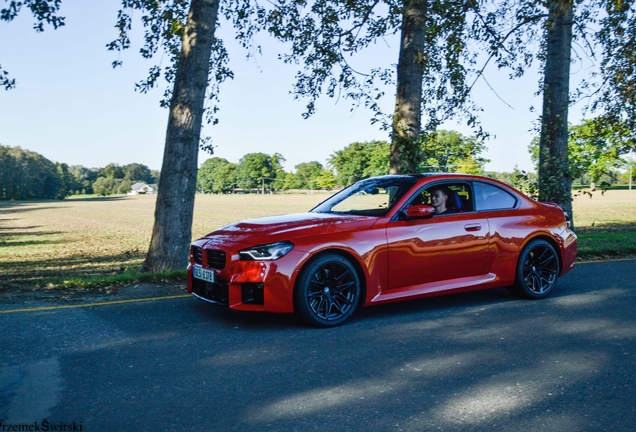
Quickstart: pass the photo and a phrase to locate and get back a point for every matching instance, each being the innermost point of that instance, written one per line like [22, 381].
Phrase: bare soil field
[45, 243]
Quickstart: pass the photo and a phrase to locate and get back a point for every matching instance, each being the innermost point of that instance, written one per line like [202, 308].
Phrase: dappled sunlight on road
[320, 400]
[523, 388]
[242, 357]
[592, 328]
[588, 299]
[388, 384]
[415, 329]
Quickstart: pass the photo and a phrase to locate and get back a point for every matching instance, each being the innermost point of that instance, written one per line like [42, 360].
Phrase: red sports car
[386, 239]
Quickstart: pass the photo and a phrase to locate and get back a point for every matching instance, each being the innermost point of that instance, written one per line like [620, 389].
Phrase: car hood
[285, 227]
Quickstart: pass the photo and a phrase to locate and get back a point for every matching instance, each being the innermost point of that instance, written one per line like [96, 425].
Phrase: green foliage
[630, 169]
[616, 97]
[66, 181]
[29, 175]
[117, 179]
[257, 169]
[360, 160]
[83, 179]
[124, 186]
[307, 174]
[322, 37]
[594, 149]
[443, 150]
[112, 171]
[526, 182]
[136, 172]
[326, 179]
[106, 186]
[450, 151]
[216, 175]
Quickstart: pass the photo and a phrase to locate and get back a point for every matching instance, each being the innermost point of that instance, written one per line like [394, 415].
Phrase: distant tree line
[28, 175]
[447, 151]
[596, 154]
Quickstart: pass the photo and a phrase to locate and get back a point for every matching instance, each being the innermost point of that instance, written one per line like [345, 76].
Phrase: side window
[458, 197]
[491, 197]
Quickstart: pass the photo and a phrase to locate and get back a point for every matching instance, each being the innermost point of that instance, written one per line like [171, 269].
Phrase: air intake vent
[216, 259]
[197, 254]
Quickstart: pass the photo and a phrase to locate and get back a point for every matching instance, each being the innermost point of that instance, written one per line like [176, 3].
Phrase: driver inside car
[439, 197]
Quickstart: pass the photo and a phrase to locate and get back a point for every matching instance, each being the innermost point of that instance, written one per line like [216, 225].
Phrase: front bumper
[258, 286]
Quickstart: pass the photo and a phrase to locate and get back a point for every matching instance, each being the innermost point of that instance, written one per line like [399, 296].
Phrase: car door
[441, 248]
[506, 224]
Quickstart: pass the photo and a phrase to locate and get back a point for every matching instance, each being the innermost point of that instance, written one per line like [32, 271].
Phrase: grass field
[49, 243]
[606, 223]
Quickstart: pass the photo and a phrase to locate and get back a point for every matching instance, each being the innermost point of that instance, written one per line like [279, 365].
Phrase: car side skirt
[450, 286]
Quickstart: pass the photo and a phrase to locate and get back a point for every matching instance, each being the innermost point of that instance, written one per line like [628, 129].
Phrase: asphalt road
[478, 361]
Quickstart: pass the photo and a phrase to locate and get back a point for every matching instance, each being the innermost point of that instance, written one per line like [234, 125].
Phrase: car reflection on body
[380, 241]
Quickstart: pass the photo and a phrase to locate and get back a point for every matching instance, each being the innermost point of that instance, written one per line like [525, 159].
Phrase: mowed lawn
[44, 243]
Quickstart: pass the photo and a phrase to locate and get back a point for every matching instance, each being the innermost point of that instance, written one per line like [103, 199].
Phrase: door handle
[472, 227]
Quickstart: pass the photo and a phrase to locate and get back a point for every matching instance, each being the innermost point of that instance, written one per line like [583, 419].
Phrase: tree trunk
[407, 118]
[172, 230]
[555, 182]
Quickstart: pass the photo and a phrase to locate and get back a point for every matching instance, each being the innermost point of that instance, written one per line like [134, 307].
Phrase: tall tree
[407, 118]
[172, 229]
[433, 60]
[555, 181]
[185, 30]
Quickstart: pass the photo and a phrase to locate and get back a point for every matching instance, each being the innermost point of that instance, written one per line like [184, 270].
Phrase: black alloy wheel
[537, 270]
[327, 291]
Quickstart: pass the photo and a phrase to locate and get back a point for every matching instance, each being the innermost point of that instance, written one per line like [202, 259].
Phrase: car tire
[327, 291]
[537, 270]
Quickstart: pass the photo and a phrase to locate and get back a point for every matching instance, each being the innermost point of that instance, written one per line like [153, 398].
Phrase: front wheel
[537, 270]
[328, 291]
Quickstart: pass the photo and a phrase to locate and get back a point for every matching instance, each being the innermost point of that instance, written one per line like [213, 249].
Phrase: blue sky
[71, 106]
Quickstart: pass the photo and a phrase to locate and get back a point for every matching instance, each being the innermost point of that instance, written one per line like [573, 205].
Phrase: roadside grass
[605, 223]
[90, 241]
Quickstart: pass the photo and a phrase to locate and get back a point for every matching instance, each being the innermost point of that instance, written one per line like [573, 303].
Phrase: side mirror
[419, 211]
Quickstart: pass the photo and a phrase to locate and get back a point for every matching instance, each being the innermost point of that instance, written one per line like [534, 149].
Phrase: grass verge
[128, 277]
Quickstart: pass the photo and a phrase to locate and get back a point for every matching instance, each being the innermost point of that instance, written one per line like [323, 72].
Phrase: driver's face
[438, 198]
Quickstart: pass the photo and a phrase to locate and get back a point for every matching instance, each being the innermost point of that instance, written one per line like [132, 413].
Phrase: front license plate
[204, 274]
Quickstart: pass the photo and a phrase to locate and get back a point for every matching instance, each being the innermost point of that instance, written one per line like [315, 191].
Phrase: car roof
[436, 174]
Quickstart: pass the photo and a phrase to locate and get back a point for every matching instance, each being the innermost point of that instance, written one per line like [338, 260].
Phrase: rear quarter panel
[511, 230]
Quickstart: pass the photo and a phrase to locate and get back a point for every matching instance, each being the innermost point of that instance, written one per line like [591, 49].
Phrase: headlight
[266, 252]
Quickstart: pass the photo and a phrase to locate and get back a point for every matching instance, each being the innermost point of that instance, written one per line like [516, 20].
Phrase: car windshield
[370, 197]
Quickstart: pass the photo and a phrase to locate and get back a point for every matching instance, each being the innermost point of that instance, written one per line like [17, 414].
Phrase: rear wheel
[328, 291]
[537, 270]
